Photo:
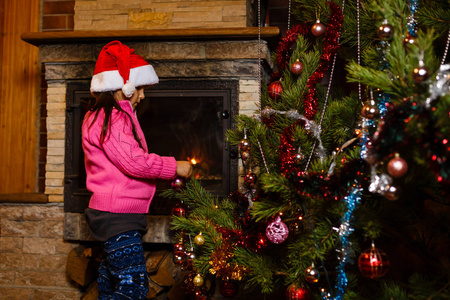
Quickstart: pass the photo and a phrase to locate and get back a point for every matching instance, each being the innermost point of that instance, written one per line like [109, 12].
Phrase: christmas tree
[346, 185]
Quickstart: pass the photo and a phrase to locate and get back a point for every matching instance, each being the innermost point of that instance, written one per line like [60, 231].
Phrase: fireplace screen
[188, 122]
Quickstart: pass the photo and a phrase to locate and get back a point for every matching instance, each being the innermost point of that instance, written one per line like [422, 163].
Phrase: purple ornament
[277, 232]
[178, 183]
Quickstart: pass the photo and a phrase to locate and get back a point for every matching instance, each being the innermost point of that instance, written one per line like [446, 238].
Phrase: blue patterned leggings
[123, 272]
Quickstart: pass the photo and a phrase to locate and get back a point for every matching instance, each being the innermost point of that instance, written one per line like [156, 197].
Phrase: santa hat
[118, 67]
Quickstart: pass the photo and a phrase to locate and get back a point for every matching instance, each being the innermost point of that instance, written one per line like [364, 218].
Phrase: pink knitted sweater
[120, 174]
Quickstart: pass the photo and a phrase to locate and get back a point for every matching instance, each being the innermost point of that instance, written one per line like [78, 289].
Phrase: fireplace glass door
[189, 126]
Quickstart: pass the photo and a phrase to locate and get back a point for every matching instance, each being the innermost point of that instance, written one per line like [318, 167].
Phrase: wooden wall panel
[19, 88]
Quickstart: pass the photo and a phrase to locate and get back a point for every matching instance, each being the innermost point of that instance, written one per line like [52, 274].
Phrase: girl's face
[137, 97]
[134, 100]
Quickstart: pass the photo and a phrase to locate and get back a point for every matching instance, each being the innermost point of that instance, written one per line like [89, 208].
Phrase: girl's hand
[184, 169]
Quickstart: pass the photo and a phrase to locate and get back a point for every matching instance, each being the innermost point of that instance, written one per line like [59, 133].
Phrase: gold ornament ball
[391, 193]
[245, 155]
[370, 110]
[409, 40]
[299, 158]
[198, 280]
[312, 274]
[420, 74]
[385, 31]
[244, 145]
[199, 240]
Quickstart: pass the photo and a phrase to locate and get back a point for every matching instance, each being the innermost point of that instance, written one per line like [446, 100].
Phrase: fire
[197, 165]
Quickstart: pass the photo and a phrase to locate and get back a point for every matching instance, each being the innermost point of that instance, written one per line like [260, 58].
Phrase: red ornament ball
[277, 232]
[298, 293]
[178, 260]
[178, 183]
[250, 178]
[189, 258]
[373, 263]
[274, 90]
[397, 167]
[179, 210]
[297, 67]
[178, 249]
[228, 288]
[318, 28]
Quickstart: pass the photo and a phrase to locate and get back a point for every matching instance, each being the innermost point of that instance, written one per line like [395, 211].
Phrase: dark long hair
[106, 101]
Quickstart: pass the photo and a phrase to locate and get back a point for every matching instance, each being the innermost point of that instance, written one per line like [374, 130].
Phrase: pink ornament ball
[178, 183]
[277, 232]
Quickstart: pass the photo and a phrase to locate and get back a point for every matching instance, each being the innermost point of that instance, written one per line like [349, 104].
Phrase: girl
[120, 172]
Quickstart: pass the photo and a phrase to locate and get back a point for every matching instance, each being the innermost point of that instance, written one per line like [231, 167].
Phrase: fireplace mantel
[64, 37]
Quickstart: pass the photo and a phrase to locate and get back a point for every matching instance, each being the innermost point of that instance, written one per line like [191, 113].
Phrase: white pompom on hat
[118, 67]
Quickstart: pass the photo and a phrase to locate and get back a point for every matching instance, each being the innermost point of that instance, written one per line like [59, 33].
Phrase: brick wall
[57, 15]
[157, 14]
[33, 253]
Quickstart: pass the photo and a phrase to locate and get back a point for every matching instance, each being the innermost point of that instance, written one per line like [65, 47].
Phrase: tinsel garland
[412, 23]
[285, 44]
[330, 47]
[220, 263]
[345, 229]
[333, 186]
[287, 150]
[244, 239]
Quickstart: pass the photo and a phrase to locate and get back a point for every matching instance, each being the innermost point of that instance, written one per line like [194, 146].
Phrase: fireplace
[211, 72]
[188, 119]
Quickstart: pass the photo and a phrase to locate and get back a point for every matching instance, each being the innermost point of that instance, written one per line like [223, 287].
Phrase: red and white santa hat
[118, 67]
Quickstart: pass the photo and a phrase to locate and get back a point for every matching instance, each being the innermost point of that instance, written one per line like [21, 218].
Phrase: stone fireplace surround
[200, 54]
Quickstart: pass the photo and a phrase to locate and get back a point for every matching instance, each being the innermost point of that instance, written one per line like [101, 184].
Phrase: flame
[193, 161]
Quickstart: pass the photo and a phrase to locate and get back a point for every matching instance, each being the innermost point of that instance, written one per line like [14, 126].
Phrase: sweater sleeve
[124, 152]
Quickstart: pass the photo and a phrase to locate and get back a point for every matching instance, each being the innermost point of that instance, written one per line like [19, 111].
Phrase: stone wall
[33, 253]
[157, 14]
